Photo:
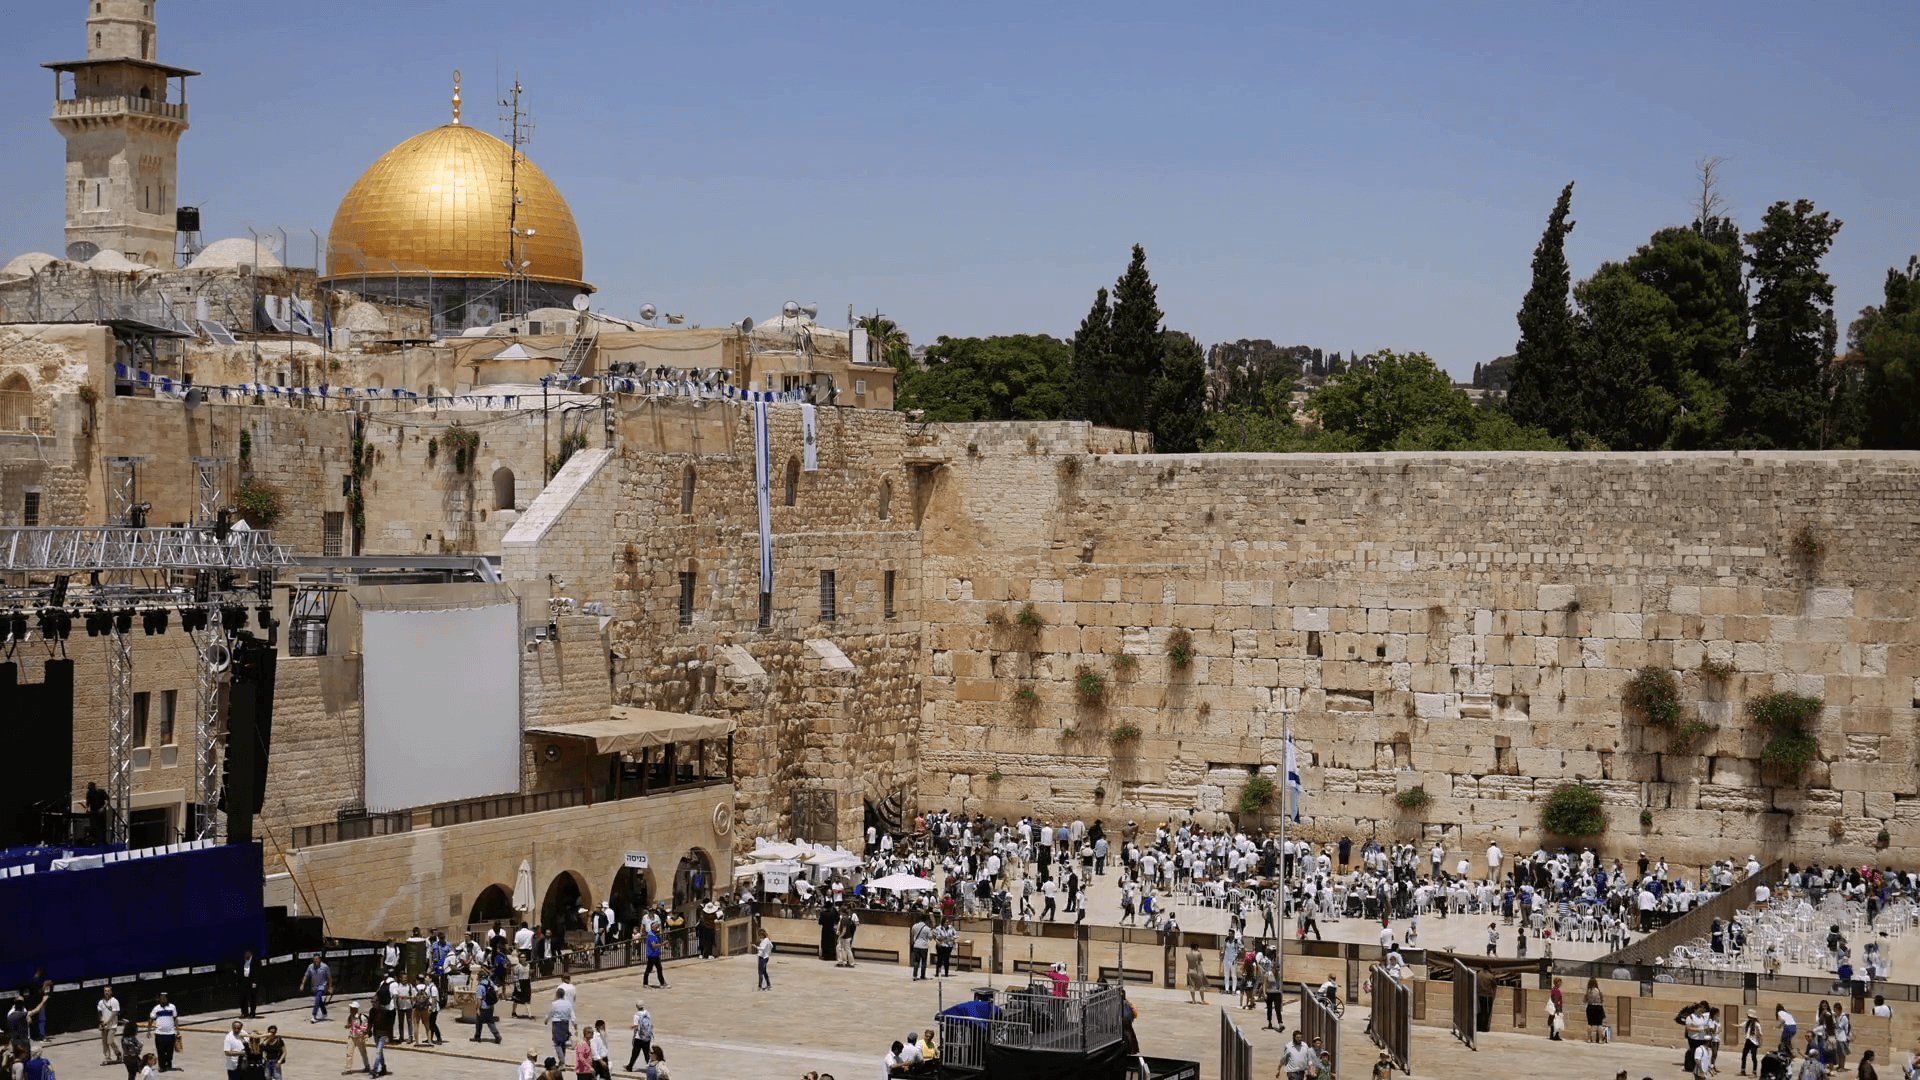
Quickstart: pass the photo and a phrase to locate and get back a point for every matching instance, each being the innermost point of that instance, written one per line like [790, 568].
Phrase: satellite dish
[790, 309]
[810, 310]
[580, 301]
[647, 312]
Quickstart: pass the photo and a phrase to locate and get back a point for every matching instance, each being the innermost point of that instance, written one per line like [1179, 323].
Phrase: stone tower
[122, 113]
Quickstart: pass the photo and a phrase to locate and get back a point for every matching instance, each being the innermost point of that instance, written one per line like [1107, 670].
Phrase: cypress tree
[1543, 386]
[1136, 342]
[1177, 408]
[1780, 398]
[1093, 361]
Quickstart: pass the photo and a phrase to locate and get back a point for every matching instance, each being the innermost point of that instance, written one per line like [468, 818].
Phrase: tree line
[1708, 338]
[1703, 338]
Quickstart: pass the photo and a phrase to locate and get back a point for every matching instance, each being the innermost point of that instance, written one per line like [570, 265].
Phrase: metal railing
[484, 809]
[1695, 923]
[459, 813]
[352, 828]
[1236, 1051]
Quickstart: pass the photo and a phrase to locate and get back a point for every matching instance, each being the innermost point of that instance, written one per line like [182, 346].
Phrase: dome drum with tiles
[429, 222]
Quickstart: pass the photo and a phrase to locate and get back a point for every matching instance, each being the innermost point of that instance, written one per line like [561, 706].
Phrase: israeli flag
[1293, 778]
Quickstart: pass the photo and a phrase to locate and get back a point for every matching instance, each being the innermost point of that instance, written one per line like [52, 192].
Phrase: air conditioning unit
[860, 388]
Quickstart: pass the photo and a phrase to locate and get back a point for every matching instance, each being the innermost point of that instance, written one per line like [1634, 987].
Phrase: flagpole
[1286, 791]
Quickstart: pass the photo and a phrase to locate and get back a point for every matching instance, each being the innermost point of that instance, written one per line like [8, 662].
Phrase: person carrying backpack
[488, 996]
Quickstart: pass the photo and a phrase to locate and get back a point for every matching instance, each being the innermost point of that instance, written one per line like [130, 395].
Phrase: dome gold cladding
[441, 200]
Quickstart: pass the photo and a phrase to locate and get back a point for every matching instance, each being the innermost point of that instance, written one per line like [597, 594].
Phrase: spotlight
[123, 621]
[192, 619]
[233, 617]
[146, 621]
[49, 623]
[156, 620]
[95, 623]
[63, 623]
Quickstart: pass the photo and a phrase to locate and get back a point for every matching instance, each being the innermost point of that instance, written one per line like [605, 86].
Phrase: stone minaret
[122, 113]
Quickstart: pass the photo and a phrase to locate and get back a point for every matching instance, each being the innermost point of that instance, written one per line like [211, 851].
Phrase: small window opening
[887, 593]
[793, 481]
[686, 490]
[826, 596]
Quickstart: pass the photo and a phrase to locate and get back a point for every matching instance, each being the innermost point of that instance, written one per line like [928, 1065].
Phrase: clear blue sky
[1351, 176]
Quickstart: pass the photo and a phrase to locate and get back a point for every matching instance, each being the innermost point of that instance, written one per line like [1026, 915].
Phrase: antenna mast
[519, 130]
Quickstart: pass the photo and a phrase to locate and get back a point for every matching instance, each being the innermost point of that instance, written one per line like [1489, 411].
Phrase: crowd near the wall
[1030, 871]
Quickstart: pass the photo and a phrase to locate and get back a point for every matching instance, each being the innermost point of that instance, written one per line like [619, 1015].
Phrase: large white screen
[442, 691]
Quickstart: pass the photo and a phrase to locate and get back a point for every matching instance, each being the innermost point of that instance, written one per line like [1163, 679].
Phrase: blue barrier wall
[143, 915]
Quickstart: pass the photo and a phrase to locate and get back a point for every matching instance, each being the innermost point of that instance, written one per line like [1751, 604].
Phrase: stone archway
[693, 878]
[632, 891]
[495, 902]
[566, 894]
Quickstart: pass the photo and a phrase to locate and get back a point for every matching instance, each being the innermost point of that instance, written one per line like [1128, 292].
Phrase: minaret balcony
[74, 108]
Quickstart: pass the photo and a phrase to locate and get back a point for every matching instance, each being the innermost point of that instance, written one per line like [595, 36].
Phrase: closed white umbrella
[523, 887]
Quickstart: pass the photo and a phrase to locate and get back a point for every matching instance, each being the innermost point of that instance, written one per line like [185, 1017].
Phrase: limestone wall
[823, 706]
[1463, 622]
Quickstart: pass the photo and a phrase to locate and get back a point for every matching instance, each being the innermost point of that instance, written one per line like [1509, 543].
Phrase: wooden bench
[877, 956]
[1132, 975]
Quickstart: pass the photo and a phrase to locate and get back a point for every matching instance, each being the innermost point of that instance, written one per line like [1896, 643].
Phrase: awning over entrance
[630, 730]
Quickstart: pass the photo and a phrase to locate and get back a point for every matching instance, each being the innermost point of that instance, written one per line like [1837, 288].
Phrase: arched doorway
[566, 895]
[503, 488]
[494, 902]
[693, 878]
[632, 892]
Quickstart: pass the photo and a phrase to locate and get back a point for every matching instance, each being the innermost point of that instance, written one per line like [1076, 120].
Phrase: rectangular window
[30, 511]
[826, 596]
[766, 610]
[141, 701]
[333, 526]
[686, 598]
[887, 591]
[169, 701]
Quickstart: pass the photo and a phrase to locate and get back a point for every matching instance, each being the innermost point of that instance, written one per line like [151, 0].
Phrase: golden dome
[441, 200]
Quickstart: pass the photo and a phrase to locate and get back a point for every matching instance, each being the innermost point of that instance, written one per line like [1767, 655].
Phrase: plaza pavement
[713, 1024]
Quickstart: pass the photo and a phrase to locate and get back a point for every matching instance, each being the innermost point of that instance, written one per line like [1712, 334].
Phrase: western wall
[1465, 623]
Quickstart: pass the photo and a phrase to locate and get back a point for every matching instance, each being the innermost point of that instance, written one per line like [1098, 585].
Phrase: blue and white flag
[1294, 789]
[763, 492]
[810, 440]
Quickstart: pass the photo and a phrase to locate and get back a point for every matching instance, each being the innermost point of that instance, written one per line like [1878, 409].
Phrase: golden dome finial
[456, 95]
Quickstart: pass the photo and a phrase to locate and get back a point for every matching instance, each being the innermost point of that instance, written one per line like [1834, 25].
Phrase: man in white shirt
[530, 1068]
[1438, 855]
[523, 940]
[1493, 862]
[892, 1061]
[643, 1033]
[108, 1008]
[765, 953]
[234, 1046]
[162, 1021]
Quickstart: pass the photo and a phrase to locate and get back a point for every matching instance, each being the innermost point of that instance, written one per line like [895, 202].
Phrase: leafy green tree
[1270, 427]
[1782, 394]
[1240, 370]
[1543, 389]
[1403, 401]
[1623, 324]
[1093, 363]
[1693, 354]
[887, 342]
[1178, 408]
[1017, 377]
[1885, 342]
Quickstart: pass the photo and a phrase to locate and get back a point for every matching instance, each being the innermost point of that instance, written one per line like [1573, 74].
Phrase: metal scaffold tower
[111, 575]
